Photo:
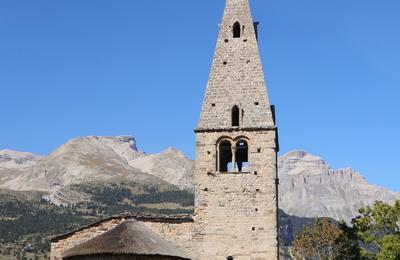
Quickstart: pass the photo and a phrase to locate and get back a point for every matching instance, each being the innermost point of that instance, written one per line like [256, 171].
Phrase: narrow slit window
[236, 30]
[235, 116]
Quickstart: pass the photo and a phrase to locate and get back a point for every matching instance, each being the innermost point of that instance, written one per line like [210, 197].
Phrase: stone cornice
[235, 129]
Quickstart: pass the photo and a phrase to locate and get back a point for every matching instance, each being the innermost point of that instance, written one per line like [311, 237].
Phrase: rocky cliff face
[311, 188]
[170, 165]
[15, 164]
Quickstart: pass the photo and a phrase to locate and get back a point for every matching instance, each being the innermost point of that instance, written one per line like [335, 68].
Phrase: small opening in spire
[236, 30]
[235, 116]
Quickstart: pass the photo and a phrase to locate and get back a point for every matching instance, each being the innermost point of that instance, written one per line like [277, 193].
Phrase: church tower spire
[236, 77]
[236, 184]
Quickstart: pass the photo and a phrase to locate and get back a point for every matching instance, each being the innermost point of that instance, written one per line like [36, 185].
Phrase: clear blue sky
[95, 67]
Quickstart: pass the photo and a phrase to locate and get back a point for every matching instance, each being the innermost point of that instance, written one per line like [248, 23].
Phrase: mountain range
[311, 188]
[308, 187]
[93, 160]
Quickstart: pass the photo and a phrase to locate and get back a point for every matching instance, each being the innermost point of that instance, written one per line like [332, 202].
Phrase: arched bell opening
[225, 156]
[242, 155]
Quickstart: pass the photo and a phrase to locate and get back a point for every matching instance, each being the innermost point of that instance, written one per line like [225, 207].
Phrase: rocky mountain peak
[100, 159]
[295, 154]
[123, 140]
[301, 162]
[10, 159]
[170, 165]
[173, 152]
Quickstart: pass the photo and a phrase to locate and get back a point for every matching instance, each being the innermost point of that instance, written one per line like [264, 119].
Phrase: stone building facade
[236, 184]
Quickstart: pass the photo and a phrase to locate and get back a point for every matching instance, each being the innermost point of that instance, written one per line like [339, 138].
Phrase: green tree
[326, 241]
[378, 227]
[389, 247]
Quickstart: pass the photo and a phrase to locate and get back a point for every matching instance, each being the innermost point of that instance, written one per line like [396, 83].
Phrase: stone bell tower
[236, 149]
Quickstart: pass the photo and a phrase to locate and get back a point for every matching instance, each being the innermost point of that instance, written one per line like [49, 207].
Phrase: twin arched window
[232, 158]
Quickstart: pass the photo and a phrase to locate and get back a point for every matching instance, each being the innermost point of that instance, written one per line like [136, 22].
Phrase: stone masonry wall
[178, 234]
[236, 213]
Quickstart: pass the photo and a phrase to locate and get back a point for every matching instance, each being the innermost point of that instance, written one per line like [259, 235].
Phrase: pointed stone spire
[235, 182]
[236, 78]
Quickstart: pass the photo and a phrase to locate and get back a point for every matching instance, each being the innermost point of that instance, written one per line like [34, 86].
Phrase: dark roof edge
[176, 219]
[111, 254]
